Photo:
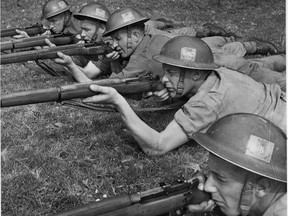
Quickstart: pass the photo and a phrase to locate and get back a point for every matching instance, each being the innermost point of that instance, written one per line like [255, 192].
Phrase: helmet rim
[80, 16]
[239, 159]
[108, 33]
[185, 63]
[56, 13]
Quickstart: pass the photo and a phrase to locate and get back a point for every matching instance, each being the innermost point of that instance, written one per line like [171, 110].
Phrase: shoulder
[278, 208]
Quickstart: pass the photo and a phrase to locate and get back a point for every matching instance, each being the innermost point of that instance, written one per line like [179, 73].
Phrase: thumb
[95, 88]
[60, 54]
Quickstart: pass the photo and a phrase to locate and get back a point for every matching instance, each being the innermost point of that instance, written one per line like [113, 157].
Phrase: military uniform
[141, 61]
[225, 92]
[73, 26]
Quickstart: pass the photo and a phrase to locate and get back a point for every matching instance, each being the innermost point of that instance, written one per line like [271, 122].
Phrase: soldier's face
[171, 78]
[56, 23]
[88, 29]
[120, 43]
[225, 183]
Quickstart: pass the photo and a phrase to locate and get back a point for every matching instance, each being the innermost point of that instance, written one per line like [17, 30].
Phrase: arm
[79, 74]
[150, 141]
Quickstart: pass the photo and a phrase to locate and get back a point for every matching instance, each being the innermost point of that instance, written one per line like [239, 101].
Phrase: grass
[55, 157]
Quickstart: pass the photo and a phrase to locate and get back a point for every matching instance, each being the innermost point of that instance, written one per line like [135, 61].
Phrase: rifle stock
[126, 86]
[90, 49]
[148, 203]
[31, 30]
[61, 39]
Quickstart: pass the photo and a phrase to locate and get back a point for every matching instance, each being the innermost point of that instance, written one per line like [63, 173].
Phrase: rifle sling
[109, 108]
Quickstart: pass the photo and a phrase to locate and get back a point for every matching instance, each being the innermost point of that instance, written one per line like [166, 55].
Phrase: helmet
[122, 18]
[187, 52]
[54, 7]
[248, 141]
[93, 11]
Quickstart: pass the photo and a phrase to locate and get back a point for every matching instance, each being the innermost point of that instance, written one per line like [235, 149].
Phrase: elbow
[158, 150]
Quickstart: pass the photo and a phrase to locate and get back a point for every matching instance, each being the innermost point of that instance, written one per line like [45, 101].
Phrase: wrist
[120, 102]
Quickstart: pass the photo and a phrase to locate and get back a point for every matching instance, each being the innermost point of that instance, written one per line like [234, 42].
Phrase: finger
[149, 94]
[18, 36]
[163, 99]
[48, 42]
[101, 98]
[164, 96]
[161, 92]
[202, 180]
[197, 208]
[100, 89]
[210, 205]
[61, 55]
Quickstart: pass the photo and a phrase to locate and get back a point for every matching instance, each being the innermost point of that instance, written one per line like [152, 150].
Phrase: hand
[47, 32]
[161, 95]
[105, 94]
[21, 34]
[205, 205]
[113, 56]
[63, 59]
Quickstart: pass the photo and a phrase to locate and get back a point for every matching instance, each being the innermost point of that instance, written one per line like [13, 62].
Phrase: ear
[263, 187]
[196, 75]
[136, 36]
[66, 16]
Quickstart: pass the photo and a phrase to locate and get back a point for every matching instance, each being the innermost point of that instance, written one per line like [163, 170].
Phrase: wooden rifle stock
[124, 86]
[31, 30]
[89, 49]
[148, 203]
[61, 39]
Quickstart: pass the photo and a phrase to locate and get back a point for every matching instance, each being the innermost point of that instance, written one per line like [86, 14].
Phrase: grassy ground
[55, 157]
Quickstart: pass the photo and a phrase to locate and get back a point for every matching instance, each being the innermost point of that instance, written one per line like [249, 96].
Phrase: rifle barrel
[80, 90]
[148, 203]
[31, 31]
[51, 53]
[35, 41]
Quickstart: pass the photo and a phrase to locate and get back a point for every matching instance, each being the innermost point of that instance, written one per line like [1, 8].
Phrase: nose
[210, 185]
[164, 79]
[115, 44]
[82, 34]
[51, 25]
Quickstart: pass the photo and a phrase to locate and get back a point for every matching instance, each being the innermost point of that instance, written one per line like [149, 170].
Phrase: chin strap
[129, 37]
[180, 85]
[247, 194]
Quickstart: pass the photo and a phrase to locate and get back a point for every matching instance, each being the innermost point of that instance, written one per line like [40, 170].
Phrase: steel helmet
[248, 141]
[54, 7]
[187, 52]
[122, 18]
[93, 11]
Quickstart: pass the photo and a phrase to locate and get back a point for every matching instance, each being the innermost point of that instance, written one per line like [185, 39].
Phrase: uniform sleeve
[279, 208]
[195, 116]
[104, 65]
[137, 65]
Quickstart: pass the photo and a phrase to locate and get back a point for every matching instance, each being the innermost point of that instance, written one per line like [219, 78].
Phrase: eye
[218, 177]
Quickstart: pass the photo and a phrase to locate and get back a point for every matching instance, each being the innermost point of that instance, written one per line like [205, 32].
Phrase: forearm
[147, 138]
[77, 73]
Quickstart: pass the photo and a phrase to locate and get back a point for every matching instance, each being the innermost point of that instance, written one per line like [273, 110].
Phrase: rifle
[88, 49]
[31, 30]
[153, 202]
[58, 39]
[126, 86]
